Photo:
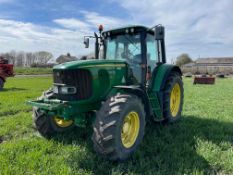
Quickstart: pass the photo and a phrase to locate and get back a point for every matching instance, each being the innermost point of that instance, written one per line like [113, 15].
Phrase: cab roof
[122, 29]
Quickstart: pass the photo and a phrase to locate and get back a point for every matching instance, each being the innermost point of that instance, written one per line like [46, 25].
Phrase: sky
[199, 28]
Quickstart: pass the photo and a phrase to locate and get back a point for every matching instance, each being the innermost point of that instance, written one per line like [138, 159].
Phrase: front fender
[136, 90]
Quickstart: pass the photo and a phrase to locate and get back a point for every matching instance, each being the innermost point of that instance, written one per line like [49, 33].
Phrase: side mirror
[86, 42]
[159, 32]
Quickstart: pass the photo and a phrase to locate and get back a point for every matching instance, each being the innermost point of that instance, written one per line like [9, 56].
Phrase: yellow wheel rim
[175, 99]
[130, 129]
[62, 123]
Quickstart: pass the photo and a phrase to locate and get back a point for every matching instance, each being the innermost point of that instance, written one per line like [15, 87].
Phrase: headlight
[64, 90]
[55, 89]
[68, 90]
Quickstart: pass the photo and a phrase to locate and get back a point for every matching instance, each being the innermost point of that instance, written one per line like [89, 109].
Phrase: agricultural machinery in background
[127, 85]
[6, 70]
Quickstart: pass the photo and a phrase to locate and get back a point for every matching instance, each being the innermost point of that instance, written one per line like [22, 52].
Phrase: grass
[201, 143]
[31, 71]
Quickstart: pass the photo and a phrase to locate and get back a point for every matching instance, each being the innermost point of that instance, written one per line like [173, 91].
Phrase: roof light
[132, 30]
[101, 28]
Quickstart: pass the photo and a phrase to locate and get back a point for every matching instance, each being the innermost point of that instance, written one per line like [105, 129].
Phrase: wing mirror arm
[159, 34]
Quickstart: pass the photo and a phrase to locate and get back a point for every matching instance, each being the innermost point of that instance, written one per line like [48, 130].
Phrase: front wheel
[119, 127]
[49, 125]
[173, 98]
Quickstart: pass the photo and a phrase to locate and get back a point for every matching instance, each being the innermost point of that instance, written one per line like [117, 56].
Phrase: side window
[119, 50]
[111, 50]
[114, 50]
[152, 53]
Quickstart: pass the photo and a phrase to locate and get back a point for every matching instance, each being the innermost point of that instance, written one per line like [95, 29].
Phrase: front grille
[81, 79]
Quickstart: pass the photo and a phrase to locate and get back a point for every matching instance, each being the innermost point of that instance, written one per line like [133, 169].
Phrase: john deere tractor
[125, 86]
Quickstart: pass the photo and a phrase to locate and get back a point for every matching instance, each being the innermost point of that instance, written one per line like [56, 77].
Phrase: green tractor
[126, 85]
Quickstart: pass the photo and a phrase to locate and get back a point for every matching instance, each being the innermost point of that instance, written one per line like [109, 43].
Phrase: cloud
[96, 19]
[6, 1]
[91, 21]
[190, 25]
[196, 27]
[17, 35]
[72, 23]
[66, 36]
[22, 31]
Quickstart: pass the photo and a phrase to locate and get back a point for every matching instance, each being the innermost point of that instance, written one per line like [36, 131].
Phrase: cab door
[151, 55]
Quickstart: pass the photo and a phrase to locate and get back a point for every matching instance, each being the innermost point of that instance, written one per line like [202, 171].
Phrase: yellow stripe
[105, 65]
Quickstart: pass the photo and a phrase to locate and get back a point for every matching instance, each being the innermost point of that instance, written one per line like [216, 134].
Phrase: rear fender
[159, 77]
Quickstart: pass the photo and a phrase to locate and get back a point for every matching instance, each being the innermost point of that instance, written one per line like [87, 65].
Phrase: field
[31, 71]
[201, 143]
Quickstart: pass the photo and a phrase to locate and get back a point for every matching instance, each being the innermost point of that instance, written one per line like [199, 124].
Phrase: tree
[42, 57]
[83, 58]
[26, 59]
[183, 59]
[20, 59]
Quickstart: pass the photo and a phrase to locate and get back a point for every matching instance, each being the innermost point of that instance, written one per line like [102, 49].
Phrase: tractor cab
[141, 47]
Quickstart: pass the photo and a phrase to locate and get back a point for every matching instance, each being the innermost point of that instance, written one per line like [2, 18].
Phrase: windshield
[125, 46]
[128, 48]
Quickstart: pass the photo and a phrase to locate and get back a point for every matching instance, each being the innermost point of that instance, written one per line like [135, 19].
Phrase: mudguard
[137, 90]
[158, 82]
[160, 75]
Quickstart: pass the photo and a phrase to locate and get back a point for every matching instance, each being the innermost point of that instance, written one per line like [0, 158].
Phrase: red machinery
[204, 80]
[6, 70]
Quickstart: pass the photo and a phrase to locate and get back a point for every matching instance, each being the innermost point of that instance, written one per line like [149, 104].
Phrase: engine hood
[90, 64]
[97, 77]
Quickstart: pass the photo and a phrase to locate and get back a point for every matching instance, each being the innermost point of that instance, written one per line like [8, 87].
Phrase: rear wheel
[119, 127]
[1, 84]
[173, 98]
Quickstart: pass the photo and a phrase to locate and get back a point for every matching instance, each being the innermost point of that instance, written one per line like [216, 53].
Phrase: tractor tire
[1, 84]
[173, 98]
[47, 126]
[119, 127]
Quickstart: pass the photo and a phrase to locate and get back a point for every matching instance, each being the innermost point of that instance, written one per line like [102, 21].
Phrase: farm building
[210, 66]
[65, 58]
